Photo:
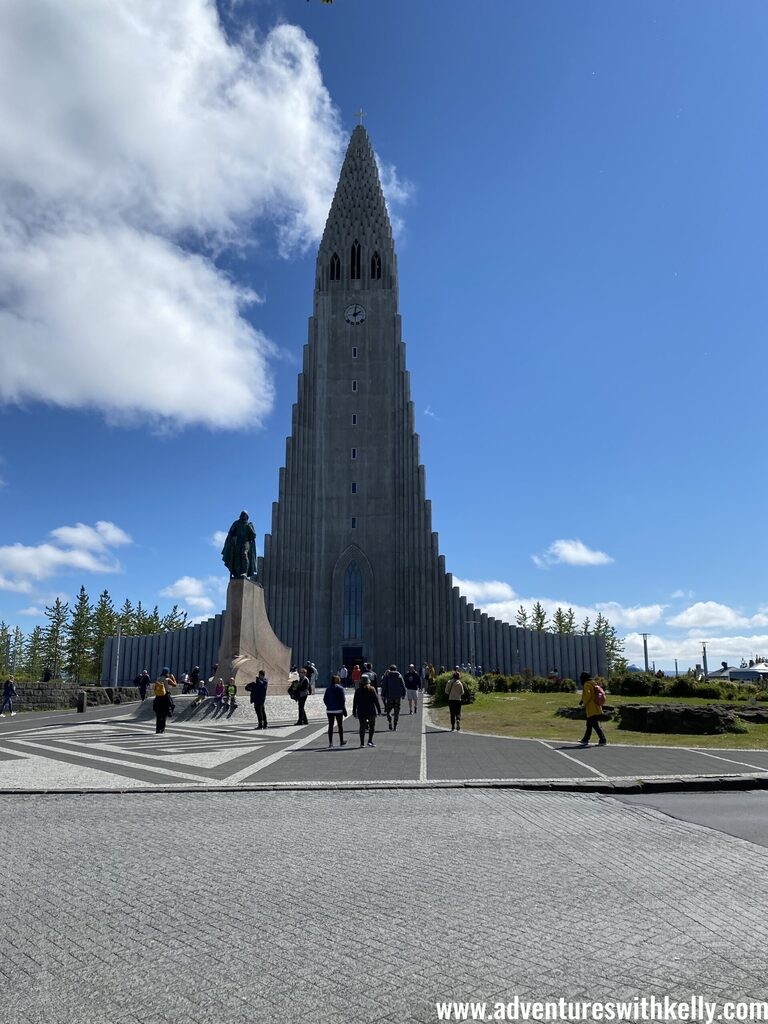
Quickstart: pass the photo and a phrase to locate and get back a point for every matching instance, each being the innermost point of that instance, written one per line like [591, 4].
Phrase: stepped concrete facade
[351, 568]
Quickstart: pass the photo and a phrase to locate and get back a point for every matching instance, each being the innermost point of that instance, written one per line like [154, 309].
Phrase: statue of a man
[239, 551]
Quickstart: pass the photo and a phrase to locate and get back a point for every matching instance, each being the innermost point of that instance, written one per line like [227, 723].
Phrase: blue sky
[579, 197]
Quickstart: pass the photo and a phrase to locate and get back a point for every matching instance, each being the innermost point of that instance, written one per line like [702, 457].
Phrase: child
[231, 694]
[202, 693]
[219, 692]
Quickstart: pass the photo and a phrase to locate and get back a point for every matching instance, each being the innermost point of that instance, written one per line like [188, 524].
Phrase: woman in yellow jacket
[593, 710]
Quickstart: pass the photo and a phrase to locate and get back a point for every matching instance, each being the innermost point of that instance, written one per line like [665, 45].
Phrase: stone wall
[58, 695]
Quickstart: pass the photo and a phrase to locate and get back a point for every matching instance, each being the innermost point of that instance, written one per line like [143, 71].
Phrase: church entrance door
[352, 655]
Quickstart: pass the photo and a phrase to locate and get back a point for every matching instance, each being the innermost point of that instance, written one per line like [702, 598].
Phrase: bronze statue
[239, 551]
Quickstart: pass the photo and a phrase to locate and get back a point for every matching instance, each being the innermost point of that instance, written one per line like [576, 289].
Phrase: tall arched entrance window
[352, 626]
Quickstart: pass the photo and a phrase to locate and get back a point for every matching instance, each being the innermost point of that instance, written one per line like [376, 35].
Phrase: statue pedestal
[249, 643]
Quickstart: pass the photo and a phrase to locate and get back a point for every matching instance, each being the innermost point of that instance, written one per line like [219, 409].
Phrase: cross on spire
[361, 114]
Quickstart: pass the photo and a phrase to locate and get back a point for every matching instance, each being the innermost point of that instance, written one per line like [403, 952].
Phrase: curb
[665, 784]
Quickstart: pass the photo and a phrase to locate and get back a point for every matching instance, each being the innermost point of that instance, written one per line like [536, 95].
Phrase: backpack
[599, 695]
[159, 688]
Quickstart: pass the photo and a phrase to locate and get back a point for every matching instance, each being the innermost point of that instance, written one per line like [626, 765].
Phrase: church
[351, 568]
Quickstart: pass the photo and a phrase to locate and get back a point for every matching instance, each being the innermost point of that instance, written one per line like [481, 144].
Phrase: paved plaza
[321, 906]
[205, 747]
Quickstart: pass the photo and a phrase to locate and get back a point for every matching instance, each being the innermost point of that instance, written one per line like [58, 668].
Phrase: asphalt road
[741, 814]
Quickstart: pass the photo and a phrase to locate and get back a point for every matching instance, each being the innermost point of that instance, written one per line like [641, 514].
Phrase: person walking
[162, 705]
[370, 675]
[230, 694]
[9, 695]
[343, 675]
[335, 701]
[312, 676]
[142, 681]
[591, 695]
[258, 689]
[302, 691]
[357, 675]
[392, 692]
[365, 708]
[454, 693]
[412, 687]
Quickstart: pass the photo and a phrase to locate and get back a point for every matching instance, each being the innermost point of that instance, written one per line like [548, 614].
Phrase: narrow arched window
[353, 602]
[335, 268]
[354, 264]
[375, 267]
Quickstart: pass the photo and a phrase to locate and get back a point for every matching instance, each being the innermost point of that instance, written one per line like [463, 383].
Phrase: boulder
[609, 712]
[678, 718]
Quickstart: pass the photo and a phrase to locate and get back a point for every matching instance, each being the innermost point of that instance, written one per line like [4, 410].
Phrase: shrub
[470, 687]
[707, 691]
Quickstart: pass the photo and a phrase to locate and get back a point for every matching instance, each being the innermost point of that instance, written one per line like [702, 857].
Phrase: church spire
[357, 242]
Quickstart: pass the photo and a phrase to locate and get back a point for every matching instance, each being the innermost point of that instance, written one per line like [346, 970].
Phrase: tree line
[564, 621]
[71, 644]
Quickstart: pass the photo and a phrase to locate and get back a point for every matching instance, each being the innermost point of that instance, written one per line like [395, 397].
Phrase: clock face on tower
[354, 314]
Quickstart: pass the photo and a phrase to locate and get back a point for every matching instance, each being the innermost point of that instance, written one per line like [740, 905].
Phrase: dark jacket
[335, 699]
[303, 687]
[392, 686]
[162, 705]
[366, 703]
[412, 680]
[9, 690]
[258, 689]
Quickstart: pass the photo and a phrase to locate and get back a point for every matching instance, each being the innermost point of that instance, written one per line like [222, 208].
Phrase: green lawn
[533, 715]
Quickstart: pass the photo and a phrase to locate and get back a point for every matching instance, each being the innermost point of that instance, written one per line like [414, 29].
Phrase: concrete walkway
[209, 748]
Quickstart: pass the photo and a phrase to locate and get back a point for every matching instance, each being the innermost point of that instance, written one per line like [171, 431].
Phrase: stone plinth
[248, 642]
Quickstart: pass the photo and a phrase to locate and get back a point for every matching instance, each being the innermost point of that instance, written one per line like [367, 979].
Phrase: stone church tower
[351, 568]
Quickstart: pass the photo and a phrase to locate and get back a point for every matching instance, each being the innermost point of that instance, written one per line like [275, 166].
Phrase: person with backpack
[593, 698]
[371, 676]
[300, 690]
[335, 701]
[454, 694]
[258, 691]
[9, 693]
[392, 692]
[162, 705]
[365, 708]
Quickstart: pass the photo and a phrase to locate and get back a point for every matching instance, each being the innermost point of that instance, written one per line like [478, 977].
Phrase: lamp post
[473, 624]
[645, 649]
[704, 659]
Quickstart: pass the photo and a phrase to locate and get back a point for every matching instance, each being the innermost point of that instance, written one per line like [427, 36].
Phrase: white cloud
[144, 134]
[32, 610]
[397, 192]
[477, 591]
[98, 537]
[218, 538]
[195, 594]
[686, 594]
[570, 552]
[707, 613]
[634, 616]
[72, 548]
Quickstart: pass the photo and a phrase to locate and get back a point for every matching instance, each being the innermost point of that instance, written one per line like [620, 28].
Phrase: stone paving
[347, 907]
[207, 747]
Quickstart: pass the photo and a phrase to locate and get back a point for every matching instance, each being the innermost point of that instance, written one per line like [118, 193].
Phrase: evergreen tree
[79, 638]
[18, 643]
[521, 617]
[586, 627]
[5, 647]
[105, 623]
[153, 621]
[33, 654]
[53, 646]
[126, 619]
[175, 619]
[539, 619]
[570, 621]
[560, 621]
[141, 621]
